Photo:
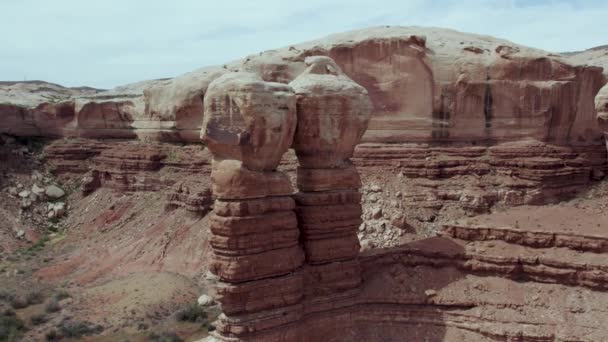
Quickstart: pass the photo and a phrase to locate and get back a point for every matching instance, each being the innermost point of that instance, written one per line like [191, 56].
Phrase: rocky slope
[144, 221]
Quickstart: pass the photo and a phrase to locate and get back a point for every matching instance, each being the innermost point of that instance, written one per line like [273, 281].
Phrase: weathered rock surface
[249, 125]
[601, 106]
[54, 192]
[333, 113]
[249, 120]
[426, 85]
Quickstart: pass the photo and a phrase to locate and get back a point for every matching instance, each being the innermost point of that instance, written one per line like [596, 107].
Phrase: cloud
[112, 42]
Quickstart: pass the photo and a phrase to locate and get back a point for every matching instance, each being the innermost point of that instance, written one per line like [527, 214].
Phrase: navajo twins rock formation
[270, 271]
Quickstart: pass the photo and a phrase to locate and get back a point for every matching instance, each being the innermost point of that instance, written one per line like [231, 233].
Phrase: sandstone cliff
[426, 85]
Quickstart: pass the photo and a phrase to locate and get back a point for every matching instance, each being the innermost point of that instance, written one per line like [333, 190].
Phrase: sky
[106, 43]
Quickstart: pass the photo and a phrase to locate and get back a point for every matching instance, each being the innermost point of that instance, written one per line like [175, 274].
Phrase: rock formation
[333, 113]
[601, 106]
[426, 85]
[435, 93]
[249, 124]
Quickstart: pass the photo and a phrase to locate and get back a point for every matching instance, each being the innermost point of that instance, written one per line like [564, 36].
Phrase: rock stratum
[426, 85]
[445, 104]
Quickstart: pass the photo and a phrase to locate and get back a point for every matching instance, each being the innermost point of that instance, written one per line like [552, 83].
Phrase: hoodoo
[248, 126]
[333, 113]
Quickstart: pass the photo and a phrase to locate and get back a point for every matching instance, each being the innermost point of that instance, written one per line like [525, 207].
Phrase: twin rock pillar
[271, 255]
[333, 112]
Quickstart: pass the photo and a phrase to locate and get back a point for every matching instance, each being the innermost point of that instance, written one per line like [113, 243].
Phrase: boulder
[375, 188]
[377, 213]
[59, 209]
[54, 192]
[26, 203]
[37, 190]
[399, 221]
[205, 300]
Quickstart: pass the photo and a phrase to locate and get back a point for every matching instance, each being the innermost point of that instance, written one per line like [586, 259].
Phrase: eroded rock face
[249, 120]
[601, 106]
[249, 124]
[425, 84]
[333, 112]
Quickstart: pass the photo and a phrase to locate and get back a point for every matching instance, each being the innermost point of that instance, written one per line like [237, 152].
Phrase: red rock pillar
[248, 126]
[601, 107]
[333, 112]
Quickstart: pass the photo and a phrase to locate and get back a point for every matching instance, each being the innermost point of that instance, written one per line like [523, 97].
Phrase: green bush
[164, 337]
[62, 294]
[52, 335]
[192, 313]
[11, 326]
[18, 302]
[210, 327]
[52, 306]
[34, 297]
[6, 296]
[78, 329]
[39, 319]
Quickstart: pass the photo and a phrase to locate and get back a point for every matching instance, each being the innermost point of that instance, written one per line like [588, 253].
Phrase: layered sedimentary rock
[333, 113]
[266, 288]
[601, 106]
[426, 85]
[436, 88]
[513, 173]
[125, 169]
[126, 166]
[191, 194]
[249, 124]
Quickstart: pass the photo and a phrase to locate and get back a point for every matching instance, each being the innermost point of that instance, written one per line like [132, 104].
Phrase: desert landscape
[391, 183]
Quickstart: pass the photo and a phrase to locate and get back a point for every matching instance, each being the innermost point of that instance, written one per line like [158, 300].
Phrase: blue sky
[112, 42]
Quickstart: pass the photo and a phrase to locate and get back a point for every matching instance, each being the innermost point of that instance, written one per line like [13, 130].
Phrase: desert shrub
[11, 326]
[52, 335]
[210, 327]
[34, 297]
[52, 306]
[192, 313]
[164, 337]
[6, 296]
[18, 302]
[37, 247]
[78, 329]
[61, 294]
[39, 319]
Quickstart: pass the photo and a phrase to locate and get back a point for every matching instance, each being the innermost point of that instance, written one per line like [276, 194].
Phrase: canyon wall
[468, 119]
[426, 85]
